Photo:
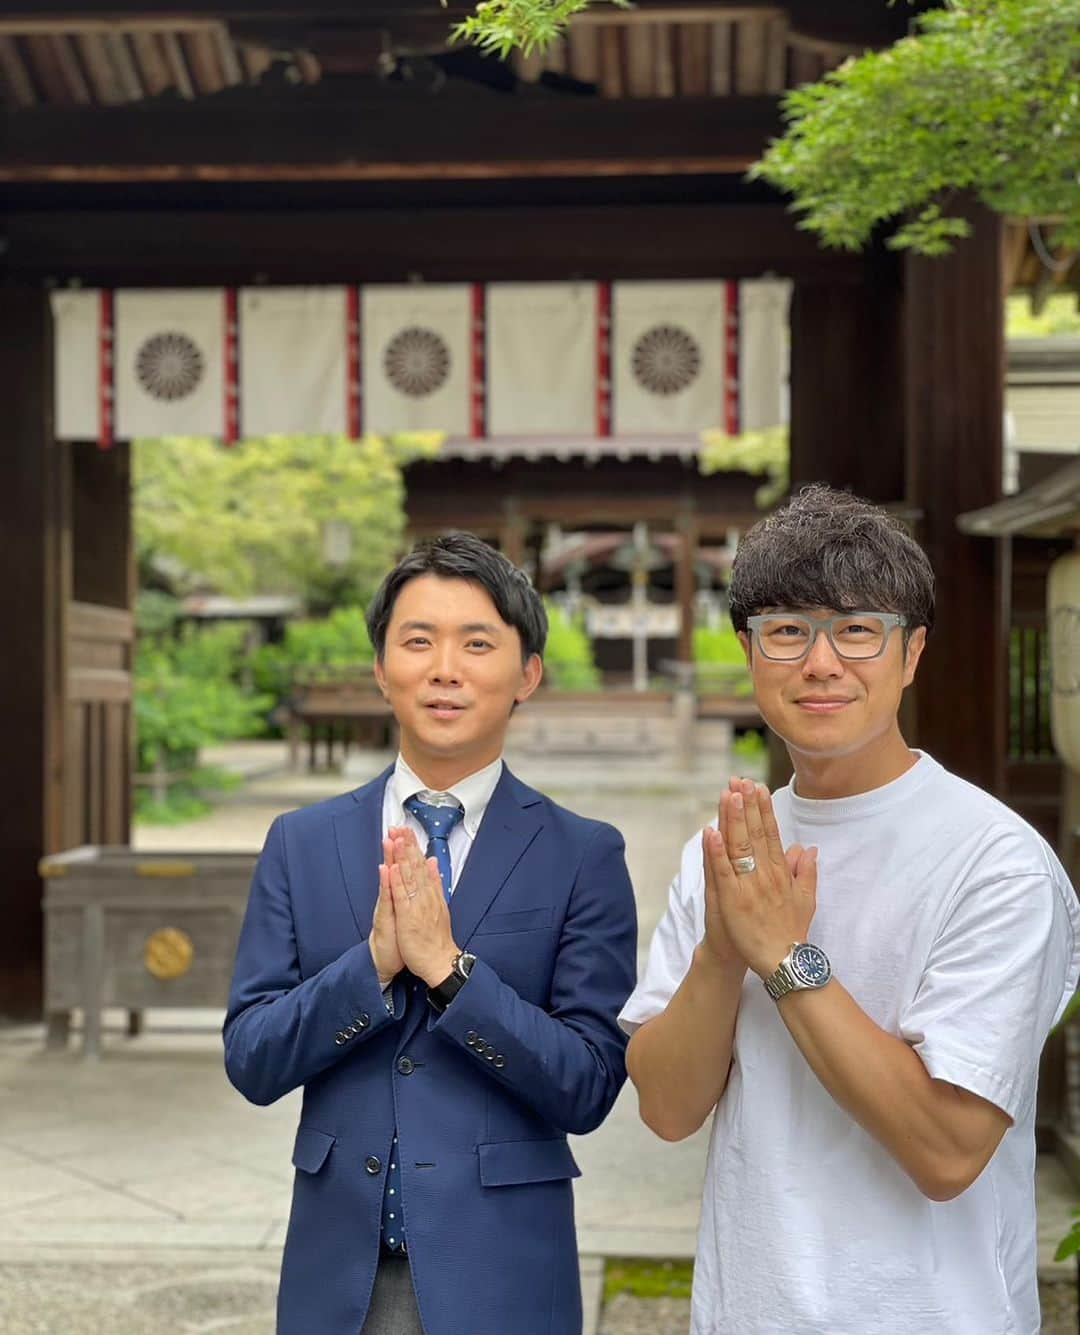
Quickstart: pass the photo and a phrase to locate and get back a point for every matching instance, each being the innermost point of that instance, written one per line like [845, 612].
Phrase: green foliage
[760, 453]
[186, 696]
[750, 747]
[156, 612]
[1059, 316]
[186, 800]
[1070, 1243]
[499, 26]
[981, 98]
[254, 518]
[337, 641]
[720, 661]
[648, 1279]
[569, 664]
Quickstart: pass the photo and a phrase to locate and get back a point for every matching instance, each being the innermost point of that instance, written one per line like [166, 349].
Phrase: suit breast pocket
[524, 920]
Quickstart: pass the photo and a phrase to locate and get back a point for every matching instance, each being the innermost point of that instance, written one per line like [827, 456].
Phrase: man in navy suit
[450, 1013]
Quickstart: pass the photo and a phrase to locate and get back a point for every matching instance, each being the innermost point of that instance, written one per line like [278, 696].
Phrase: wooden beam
[123, 63]
[156, 247]
[383, 134]
[68, 63]
[16, 77]
[99, 67]
[150, 58]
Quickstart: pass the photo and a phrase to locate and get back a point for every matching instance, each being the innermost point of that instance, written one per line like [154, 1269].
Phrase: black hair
[827, 548]
[465, 556]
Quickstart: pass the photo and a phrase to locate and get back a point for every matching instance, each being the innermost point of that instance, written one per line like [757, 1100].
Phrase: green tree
[569, 663]
[980, 98]
[264, 516]
[765, 453]
[501, 25]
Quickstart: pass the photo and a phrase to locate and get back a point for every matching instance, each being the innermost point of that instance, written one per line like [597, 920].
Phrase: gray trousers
[393, 1308]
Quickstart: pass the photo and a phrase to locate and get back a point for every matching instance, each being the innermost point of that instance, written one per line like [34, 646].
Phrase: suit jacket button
[372, 1165]
[490, 1054]
[352, 1031]
[471, 1038]
[500, 1060]
[340, 1038]
[362, 1020]
[405, 1065]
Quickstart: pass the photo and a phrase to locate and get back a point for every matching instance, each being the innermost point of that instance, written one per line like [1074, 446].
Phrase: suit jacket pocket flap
[507, 1163]
[311, 1148]
[524, 920]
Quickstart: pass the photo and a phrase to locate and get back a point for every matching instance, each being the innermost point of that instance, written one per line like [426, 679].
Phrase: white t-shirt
[953, 925]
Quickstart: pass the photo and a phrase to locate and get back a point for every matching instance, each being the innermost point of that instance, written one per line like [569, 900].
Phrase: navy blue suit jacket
[483, 1096]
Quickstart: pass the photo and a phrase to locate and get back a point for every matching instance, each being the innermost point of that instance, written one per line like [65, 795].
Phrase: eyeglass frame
[893, 621]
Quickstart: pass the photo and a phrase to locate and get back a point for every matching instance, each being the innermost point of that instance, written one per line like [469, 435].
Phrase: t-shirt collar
[474, 792]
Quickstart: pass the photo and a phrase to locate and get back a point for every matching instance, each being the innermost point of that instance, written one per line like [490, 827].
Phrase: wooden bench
[335, 705]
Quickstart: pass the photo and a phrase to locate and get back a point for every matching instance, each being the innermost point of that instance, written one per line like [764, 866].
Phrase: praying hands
[411, 926]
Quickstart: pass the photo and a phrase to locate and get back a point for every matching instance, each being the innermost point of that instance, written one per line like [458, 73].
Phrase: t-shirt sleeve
[672, 946]
[998, 975]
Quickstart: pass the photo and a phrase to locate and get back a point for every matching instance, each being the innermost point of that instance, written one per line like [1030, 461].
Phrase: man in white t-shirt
[858, 976]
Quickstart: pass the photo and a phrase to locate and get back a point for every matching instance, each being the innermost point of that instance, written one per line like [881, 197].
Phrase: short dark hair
[827, 548]
[465, 556]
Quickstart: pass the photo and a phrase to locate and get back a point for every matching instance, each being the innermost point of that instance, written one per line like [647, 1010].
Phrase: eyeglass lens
[852, 637]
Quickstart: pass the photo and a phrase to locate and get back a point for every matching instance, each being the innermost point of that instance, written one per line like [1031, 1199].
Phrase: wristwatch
[803, 967]
[440, 996]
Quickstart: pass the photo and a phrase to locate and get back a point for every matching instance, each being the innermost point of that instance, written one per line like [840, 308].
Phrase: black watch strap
[443, 994]
[440, 996]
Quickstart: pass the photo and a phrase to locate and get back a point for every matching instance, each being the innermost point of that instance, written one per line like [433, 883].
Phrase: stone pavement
[141, 1196]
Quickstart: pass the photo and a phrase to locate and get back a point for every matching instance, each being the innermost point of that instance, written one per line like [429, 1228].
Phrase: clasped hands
[752, 918]
[411, 927]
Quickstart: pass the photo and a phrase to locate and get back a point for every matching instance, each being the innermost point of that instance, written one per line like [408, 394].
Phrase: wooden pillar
[512, 532]
[34, 521]
[847, 406]
[686, 583]
[954, 375]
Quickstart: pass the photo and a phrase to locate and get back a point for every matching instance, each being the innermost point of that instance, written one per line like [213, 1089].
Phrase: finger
[738, 843]
[434, 880]
[806, 877]
[718, 859]
[404, 833]
[773, 842]
[791, 857]
[399, 889]
[388, 848]
[407, 863]
[755, 827]
[708, 835]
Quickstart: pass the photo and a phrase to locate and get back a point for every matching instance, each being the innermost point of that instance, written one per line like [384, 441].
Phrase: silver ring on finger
[744, 866]
[411, 894]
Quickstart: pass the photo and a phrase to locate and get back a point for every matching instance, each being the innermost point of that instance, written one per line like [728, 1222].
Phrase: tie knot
[437, 819]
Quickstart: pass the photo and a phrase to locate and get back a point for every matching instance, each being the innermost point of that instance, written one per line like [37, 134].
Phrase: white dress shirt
[473, 792]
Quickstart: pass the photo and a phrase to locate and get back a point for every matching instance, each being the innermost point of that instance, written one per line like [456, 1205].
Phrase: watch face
[810, 965]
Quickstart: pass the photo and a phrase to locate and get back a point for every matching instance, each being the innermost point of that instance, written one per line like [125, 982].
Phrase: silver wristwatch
[803, 967]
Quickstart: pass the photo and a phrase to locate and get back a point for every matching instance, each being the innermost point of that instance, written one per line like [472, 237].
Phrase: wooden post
[686, 583]
[954, 374]
[847, 405]
[512, 532]
[34, 524]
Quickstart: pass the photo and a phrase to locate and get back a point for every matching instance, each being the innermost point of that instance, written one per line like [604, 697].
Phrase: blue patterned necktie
[438, 821]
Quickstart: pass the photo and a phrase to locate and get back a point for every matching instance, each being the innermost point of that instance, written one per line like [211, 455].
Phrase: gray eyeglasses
[788, 636]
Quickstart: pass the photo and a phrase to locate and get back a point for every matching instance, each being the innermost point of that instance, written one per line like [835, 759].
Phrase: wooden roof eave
[1049, 509]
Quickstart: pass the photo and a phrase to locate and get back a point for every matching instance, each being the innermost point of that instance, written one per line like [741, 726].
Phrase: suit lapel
[507, 830]
[358, 831]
